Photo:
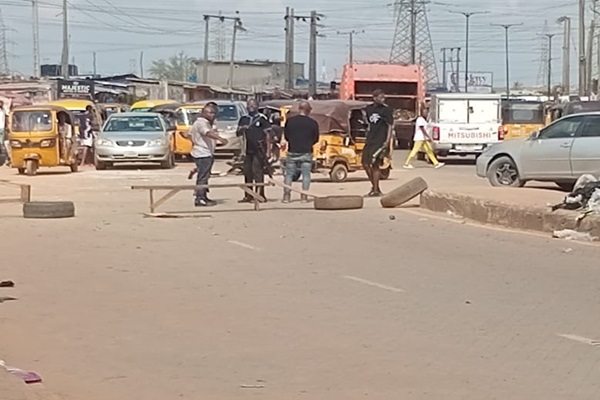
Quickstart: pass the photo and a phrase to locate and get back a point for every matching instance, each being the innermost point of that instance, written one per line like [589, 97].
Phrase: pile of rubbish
[404, 115]
[585, 197]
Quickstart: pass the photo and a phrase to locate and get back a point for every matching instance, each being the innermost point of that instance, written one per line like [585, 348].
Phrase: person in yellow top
[422, 142]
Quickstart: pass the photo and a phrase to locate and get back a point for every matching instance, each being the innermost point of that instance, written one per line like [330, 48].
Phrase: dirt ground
[289, 302]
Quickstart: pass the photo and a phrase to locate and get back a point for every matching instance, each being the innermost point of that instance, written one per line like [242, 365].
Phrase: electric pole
[444, 78]
[458, 69]
[65, 43]
[312, 71]
[413, 32]
[237, 26]
[94, 64]
[142, 64]
[350, 43]
[566, 56]
[36, 38]
[289, 49]
[588, 67]
[467, 16]
[549, 36]
[205, 61]
[506, 27]
[4, 69]
[582, 63]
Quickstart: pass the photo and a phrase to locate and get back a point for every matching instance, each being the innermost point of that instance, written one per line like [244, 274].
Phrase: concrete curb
[539, 219]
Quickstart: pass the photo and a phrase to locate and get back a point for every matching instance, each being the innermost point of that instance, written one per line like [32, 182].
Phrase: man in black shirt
[381, 124]
[256, 129]
[301, 133]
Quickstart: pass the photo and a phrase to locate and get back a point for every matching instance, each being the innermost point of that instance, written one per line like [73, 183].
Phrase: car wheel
[100, 166]
[503, 172]
[31, 167]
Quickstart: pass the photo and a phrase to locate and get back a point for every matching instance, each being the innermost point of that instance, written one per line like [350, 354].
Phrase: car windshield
[31, 121]
[523, 114]
[227, 113]
[188, 116]
[133, 124]
[145, 109]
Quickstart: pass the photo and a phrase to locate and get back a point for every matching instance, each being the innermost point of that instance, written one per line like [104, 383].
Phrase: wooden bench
[25, 196]
[174, 189]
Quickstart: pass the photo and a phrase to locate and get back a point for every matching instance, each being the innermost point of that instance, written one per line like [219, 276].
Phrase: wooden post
[151, 200]
[25, 193]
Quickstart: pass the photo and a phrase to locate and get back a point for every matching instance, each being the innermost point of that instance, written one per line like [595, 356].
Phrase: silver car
[560, 153]
[133, 138]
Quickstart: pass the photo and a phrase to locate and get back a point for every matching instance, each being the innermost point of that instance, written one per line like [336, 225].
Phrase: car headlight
[157, 142]
[47, 143]
[104, 143]
[15, 144]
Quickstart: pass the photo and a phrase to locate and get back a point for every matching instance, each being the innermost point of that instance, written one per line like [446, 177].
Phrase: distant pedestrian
[204, 137]
[86, 134]
[422, 142]
[301, 133]
[379, 136]
[4, 142]
[256, 130]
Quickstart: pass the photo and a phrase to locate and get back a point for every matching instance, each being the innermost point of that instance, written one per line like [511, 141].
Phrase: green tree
[179, 67]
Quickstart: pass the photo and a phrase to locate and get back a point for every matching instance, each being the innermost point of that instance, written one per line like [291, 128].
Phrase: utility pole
[350, 44]
[413, 32]
[237, 26]
[590, 51]
[205, 61]
[142, 64]
[467, 16]
[289, 48]
[312, 71]
[36, 38]
[4, 69]
[506, 27]
[65, 43]
[94, 64]
[458, 69]
[444, 78]
[582, 63]
[549, 36]
[566, 57]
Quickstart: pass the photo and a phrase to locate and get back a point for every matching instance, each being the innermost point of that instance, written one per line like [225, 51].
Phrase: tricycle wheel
[21, 170]
[74, 167]
[339, 173]
[31, 167]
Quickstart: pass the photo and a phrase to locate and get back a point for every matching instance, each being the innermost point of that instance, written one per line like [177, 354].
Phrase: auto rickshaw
[107, 109]
[343, 128]
[282, 107]
[573, 107]
[37, 139]
[146, 105]
[185, 115]
[521, 118]
[78, 106]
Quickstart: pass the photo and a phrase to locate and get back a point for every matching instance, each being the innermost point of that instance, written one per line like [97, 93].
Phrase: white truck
[464, 124]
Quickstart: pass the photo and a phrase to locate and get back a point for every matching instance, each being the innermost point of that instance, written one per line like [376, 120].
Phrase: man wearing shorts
[381, 124]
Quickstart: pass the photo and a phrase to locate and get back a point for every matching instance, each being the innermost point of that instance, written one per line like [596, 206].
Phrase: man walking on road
[204, 137]
[255, 128]
[422, 142]
[301, 133]
[381, 124]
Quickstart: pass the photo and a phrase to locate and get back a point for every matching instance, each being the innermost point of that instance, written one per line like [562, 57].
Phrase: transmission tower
[219, 42]
[543, 68]
[412, 39]
[4, 70]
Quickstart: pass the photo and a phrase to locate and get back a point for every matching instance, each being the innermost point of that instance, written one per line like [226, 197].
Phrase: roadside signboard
[479, 82]
[83, 89]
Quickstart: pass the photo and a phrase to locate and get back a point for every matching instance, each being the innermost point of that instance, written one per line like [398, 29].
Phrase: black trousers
[204, 166]
[254, 171]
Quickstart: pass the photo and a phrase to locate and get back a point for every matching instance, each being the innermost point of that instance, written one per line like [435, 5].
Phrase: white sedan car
[560, 153]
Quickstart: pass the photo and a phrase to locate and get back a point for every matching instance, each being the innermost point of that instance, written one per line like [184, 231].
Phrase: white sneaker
[408, 166]
[440, 165]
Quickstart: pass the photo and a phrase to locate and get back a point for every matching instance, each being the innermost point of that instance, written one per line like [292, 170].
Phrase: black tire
[385, 174]
[74, 167]
[339, 203]
[339, 173]
[566, 186]
[101, 166]
[169, 163]
[404, 193]
[21, 171]
[503, 172]
[421, 156]
[49, 209]
[31, 167]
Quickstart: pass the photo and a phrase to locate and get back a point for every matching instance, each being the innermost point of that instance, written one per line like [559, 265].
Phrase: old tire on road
[339, 203]
[404, 193]
[503, 172]
[48, 209]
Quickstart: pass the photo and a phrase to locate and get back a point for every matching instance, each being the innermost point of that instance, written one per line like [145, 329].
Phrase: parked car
[560, 153]
[135, 137]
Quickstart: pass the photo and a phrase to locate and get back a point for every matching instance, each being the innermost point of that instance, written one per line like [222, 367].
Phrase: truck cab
[465, 124]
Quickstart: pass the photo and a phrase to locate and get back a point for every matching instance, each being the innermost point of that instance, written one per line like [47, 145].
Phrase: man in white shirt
[422, 142]
[204, 137]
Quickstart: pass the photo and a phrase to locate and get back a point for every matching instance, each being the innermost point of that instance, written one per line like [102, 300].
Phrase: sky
[119, 30]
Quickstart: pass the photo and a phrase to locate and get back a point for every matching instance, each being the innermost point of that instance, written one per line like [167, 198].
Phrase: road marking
[244, 245]
[374, 284]
[581, 339]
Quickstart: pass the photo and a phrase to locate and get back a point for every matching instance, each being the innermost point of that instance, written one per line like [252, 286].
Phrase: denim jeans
[204, 166]
[294, 162]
